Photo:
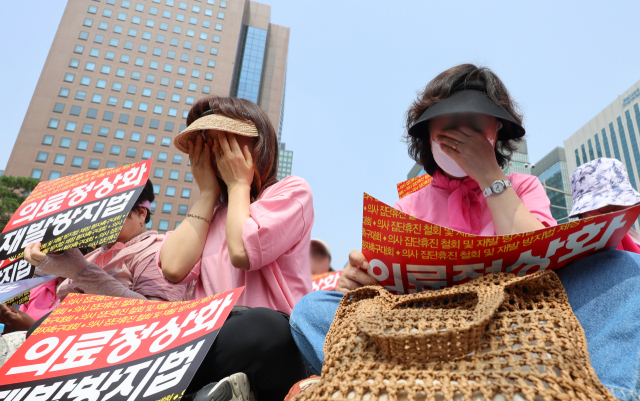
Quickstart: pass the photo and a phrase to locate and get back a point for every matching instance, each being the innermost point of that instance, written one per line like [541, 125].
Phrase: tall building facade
[121, 76]
[553, 173]
[613, 133]
[519, 160]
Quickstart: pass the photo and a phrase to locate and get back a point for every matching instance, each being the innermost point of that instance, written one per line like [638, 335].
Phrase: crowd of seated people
[248, 229]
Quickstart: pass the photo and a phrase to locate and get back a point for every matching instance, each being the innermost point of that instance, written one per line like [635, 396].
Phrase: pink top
[42, 300]
[460, 204]
[276, 238]
[133, 264]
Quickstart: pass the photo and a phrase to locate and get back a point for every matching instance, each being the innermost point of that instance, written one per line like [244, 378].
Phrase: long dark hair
[265, 155]
[439, 89]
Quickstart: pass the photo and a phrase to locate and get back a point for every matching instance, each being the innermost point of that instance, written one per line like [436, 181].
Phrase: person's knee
[307, 307]
[263, 331]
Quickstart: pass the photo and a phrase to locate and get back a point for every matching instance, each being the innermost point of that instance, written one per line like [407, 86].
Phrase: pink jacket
[133, 264]
[467, 210]
[42, 300]
[276, 238]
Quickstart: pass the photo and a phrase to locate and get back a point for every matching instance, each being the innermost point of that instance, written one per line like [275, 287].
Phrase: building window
[147, 154]
[54, 175]
[166, 141]
[77, 161]
[104, 131]
[36, 173]
[188, 177]
[70, 126]
[65, 142]
[174, 175]
[158, 172]
[166, 207]
[170, 191]
[149, 224]
[60, 159]
[627, 156]
[131, 152]
[53, 123]
[177, 159]
[151, 138]
[64, 92]
[42, 157]
[614, 142]
[98, 147]
[135, 137]
[69, 77]
[182, 210]
[82, 145]
[115, 150]
[47, 140]
[94, 164]
[186, 193]
[119, 134]
[162, 156]
[163, 225]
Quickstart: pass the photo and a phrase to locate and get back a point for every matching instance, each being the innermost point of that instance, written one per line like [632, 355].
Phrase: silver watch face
[497, 187]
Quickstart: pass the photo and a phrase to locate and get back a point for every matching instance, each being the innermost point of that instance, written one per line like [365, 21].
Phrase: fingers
[247, 156]
[33, 255]
[207, 152]
[446, 142]
[224, 143]
[233, 144]
[198, 150]
[357, 259]
[191, 150]
[359, 276]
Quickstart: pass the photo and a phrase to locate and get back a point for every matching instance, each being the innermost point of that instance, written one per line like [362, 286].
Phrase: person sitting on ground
[126, 268]
[602, 186]
[463, 129]
[245, 229]
[319, 257]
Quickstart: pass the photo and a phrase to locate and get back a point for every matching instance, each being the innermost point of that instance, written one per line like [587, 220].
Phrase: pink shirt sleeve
[278, 222]
[534, 198]
[193, 274]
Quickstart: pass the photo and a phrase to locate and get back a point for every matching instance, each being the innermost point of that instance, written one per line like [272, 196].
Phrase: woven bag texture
[499, 337]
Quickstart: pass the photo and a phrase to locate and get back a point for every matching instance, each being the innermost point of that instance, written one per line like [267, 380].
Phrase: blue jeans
[603, 290]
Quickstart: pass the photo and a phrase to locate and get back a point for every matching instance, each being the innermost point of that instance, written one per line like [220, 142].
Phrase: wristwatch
[497, 187]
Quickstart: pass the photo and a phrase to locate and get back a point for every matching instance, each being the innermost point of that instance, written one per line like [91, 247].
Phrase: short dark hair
[439, 89]
[145, 195]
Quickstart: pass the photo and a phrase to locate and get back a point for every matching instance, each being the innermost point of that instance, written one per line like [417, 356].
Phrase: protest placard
[105, 348]
[415, 184]
[17, 293]
[408, 255]
[326, 281]
[81, 210]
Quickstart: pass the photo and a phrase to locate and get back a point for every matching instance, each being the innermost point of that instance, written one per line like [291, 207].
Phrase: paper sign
[105, 348]
[10, 292]
[15, 270]
[415, 184]
[326, 281]
[82, 210]
[408, 255]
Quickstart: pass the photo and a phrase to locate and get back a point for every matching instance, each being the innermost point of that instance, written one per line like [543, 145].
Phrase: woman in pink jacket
[246, 229]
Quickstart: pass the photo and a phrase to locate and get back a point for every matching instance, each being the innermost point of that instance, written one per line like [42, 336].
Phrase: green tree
[13, 191]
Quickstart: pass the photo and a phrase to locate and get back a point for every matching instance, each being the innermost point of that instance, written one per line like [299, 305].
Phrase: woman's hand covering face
[201, 166]
[470, 147]
[234, 164]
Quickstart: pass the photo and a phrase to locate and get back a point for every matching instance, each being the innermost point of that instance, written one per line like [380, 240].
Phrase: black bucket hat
[470, 97]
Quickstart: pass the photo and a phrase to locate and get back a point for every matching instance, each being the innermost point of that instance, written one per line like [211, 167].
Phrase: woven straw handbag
[500, 337]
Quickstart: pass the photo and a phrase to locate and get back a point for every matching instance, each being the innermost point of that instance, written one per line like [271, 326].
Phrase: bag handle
[399, 331]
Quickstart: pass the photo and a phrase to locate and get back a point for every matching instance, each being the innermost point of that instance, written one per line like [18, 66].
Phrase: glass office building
[519, 160]
[553, 173]
[285, 161]
[122, 75]
[613, 133]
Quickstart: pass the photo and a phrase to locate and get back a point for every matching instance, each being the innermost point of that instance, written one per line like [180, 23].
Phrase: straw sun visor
[215, 122]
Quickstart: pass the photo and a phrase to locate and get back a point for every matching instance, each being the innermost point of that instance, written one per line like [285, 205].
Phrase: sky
[354, 67]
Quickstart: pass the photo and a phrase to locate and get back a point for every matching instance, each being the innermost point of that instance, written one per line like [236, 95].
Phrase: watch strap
[488, 191]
